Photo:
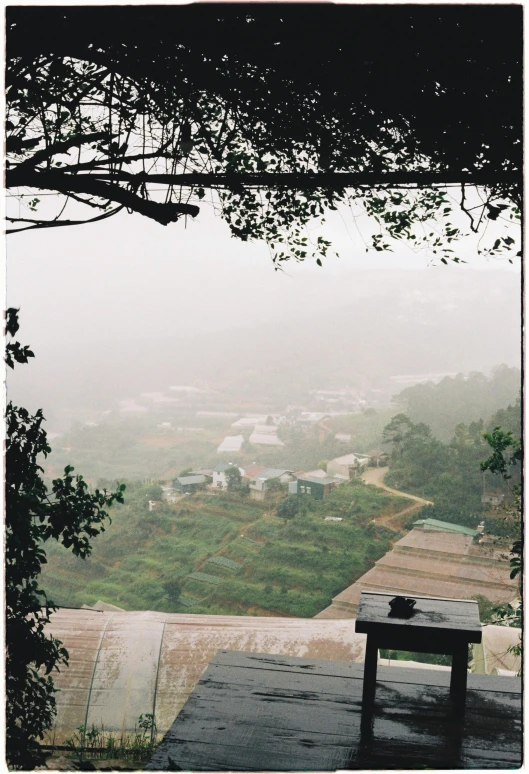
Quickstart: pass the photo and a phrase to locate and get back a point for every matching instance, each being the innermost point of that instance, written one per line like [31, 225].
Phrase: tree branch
[93, 166]
[59, 223]
[163, 213]
[61, 147]
[292, 180]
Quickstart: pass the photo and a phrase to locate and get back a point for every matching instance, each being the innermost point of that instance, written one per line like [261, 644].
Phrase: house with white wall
[347, 466]
[219, 475]
[260, 483]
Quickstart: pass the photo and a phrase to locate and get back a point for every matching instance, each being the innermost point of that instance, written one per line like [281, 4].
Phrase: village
[264, 431]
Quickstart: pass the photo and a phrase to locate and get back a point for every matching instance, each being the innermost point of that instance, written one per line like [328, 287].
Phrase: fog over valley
[245, 330]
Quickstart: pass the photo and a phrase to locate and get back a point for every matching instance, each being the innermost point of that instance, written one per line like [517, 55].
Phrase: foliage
[87, 745]
[67, 513]
[447, 474]
[288, 508]
[253, 126]
[14, 353]
[501, 441]
[509, 615]
[459, 399]
[365, 429]
[173, 590]
[505, 460]
[129, 567]
[486, 609]
[233, 478]
[439, 659]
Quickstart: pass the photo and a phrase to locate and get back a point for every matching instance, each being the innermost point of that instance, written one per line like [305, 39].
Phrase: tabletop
[457, 615]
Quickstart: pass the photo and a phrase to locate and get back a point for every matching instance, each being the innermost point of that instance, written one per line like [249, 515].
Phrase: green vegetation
[449, 474]
[66, 514]
[97, 744]
[227, 564]
[134, 448]
[465, 399]
[288, 508]
[365, 429]
[439, 659]
[286, 568]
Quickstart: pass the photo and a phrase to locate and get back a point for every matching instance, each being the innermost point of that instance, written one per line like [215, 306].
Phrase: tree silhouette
[66, 512]
[238, 110]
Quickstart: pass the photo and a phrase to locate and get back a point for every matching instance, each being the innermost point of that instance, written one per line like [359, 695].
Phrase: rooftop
[319, 479]
[267, 473]
[446, 526]
[123, 664]
[257, 712]
[432, 563]
[231, 443]
[265, 439]
[185, 480]
[349, 459]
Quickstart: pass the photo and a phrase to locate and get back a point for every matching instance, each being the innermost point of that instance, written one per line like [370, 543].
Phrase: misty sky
[129, 278]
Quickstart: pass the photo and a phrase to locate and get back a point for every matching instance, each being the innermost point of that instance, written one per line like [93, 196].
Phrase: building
[347, 466]
[316, 486]
[124, 664]
[445, 526]
[377, 458]
[219, 475]
[188, 484]
[440, 559]
[265, 435]
[249, 421]
[260, 483]
[232, 443]
[343, 437]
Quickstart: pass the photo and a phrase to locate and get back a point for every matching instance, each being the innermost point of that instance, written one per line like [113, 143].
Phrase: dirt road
[375, 476]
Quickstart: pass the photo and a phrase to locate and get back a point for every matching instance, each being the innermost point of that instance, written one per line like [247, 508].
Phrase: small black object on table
[424, 624]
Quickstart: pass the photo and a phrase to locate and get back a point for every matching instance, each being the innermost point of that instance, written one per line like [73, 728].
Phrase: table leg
[458, 678]
[370, 675]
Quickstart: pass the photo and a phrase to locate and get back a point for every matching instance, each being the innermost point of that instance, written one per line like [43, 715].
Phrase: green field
[261, 565]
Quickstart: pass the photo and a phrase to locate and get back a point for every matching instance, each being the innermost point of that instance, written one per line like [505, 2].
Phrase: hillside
[228, 554]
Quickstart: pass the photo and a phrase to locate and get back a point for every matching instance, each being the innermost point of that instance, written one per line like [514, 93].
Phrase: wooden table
[437, 626]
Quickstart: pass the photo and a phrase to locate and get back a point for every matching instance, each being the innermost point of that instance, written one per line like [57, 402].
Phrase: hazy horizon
[130, 278]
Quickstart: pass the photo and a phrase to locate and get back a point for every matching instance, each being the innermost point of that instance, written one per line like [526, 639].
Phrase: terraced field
[229, 554]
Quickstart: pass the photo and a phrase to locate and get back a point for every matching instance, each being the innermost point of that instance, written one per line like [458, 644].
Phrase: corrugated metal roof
[191, 480]
[252, 471]
[432, 563]
[124, 664]
[271, 473]
[446, 526]
[319, 480]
